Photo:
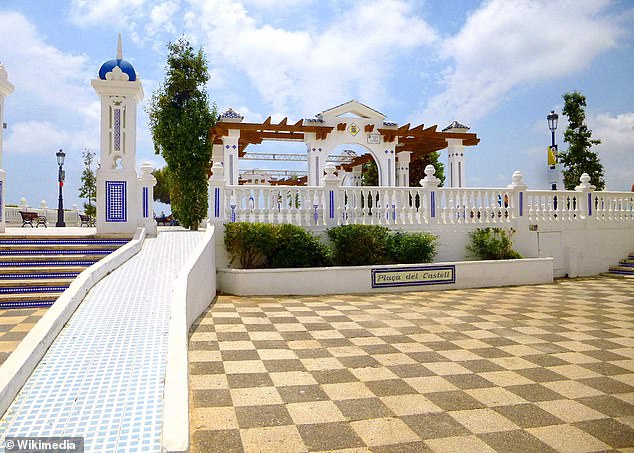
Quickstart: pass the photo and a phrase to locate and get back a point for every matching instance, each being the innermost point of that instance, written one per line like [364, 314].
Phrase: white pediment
[352, 109]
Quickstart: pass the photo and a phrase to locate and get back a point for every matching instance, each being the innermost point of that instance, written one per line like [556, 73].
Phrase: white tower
[6, 88]
[455, 160]
[120, 208]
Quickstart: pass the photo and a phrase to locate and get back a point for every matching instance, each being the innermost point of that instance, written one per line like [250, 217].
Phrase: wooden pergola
[419, 140]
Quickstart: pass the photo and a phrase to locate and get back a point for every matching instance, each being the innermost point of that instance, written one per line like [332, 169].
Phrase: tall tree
[88, 188]
[162, 188]
[416, 170]
[579, 159]
[180, 118]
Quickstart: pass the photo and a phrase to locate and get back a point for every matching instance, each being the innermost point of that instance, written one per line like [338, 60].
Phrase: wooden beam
[266, 121]
[403, 129]
[283, 122]
[369, 127]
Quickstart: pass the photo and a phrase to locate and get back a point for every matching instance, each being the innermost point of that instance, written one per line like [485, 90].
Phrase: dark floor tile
[609, 431]
[219, 441]
[355, 333]
[455, 400]
[329, 436]
[203, 346]
[607, 385]
[317, 353]
[410, 447]
[203, 328]
[227, 320]
[396, 339]
[243, 354]
[364, 409]
[606, 369]
[481, 366]
[427, 357]
[260, 328]
[301, 393]
[12, 336]
[515, 441]
[245, 380]
[375, 349]
[608, 405]
[6, 327]
[528, 415]
[211, 398]
[335, 342]
[233, 336]
[468, 381]
[283, 365]
[442, 346]
[545, 360]
[362, 361]
[270, 344]
[334, 376]
[434, 426]
[206, 368]
[540, 374]
[390, 387]
[491, 353]
[534, 392]
[3, 357]
[411, 370]
[262, 416]
[293, 336]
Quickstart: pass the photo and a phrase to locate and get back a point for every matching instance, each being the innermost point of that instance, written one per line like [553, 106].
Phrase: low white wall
[359, 279]
[194, 289]
[15, 371]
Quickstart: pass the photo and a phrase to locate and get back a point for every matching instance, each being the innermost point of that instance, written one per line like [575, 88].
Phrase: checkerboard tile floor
[533, 369]
[14, 325]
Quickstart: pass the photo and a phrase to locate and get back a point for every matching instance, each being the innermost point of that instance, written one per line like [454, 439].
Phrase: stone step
[48, 260]
[30, 251]
[618, 275]
[622, 270]
[32, 290]
[10, 272]
[60, 240]
[42, 299]
[35, 282]
[627, 263]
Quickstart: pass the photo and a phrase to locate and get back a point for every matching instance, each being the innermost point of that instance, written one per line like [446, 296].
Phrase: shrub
[358, 245]
[250, 243]
[492, 244]
[262, 245]
[296, 247]
[408, 248]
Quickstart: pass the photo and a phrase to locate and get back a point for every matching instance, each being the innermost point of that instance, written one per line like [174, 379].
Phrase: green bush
[264, 245]
[250, 243]
[359, 245]
[297, 247]
[492, 244]
[408, 248]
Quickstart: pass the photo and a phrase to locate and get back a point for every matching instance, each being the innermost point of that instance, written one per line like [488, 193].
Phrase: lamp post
[552, 152]
[61, 155]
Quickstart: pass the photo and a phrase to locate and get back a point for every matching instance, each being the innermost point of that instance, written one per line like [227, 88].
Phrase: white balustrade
[13, 217]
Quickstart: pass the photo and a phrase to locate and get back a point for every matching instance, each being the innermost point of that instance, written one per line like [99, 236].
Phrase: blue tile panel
[116, 201]
[103, 376]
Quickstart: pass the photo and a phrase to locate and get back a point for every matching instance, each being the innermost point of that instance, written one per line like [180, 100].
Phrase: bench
[165, 220]
[29, 217]
[86, 220]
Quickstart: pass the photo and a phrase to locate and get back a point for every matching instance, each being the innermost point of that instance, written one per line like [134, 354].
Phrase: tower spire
[119, 49]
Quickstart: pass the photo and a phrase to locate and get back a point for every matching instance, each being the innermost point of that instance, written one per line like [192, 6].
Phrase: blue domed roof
[124, 65]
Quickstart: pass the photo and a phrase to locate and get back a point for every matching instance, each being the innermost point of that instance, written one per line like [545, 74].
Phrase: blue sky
[497, 66]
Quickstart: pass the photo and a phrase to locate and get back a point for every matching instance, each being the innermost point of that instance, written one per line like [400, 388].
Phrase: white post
[216, 210]
[6, 88]
[357, 175]
[147, 181]
[517, 209]
[432, 202]
[403, 159]
[331, 191]
[586, 205]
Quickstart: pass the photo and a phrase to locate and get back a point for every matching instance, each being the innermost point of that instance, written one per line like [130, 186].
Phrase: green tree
[417, 166]
[162, 187]
[579, 159]
[88, 188]
[180, 118]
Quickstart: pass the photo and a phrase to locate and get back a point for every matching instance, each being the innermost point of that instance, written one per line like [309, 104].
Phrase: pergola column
[230, 159]
[387, 165]
[403, 159]
[316, 163]
[357, 175]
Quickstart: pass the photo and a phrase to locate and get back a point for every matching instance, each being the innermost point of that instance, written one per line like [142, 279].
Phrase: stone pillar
[331, 191]
[120, 90]
[230, 159]
[431, 202]
[216, 210]
[455, 151]
[387, 167]
[6, 88]
[403, 159]
[357, 175]
[518, 201]
[147, 181]
[316, 163]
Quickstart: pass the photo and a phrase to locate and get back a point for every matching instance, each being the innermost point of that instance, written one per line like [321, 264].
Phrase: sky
[497, 66]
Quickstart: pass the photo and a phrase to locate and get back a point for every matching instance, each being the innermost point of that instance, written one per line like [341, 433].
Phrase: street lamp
[61, 155]
[552, 152]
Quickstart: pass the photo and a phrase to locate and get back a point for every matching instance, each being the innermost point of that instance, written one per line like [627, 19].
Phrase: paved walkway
[525, 369]
[103, 376]
[14, 325]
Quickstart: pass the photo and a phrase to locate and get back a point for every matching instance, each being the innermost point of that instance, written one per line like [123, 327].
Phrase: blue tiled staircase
[35, 271]
[625, 267]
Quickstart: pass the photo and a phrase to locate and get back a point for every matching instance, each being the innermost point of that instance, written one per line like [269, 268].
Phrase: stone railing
[13, 217]
[428, 205]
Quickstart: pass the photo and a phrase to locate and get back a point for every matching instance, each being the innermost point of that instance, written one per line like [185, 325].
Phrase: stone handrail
[13, 218]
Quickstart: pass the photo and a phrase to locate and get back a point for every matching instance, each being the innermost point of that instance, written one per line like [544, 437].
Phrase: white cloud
[308, 70]
[616, 150]
[99, 12]
[504, 44]
[161, 18]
